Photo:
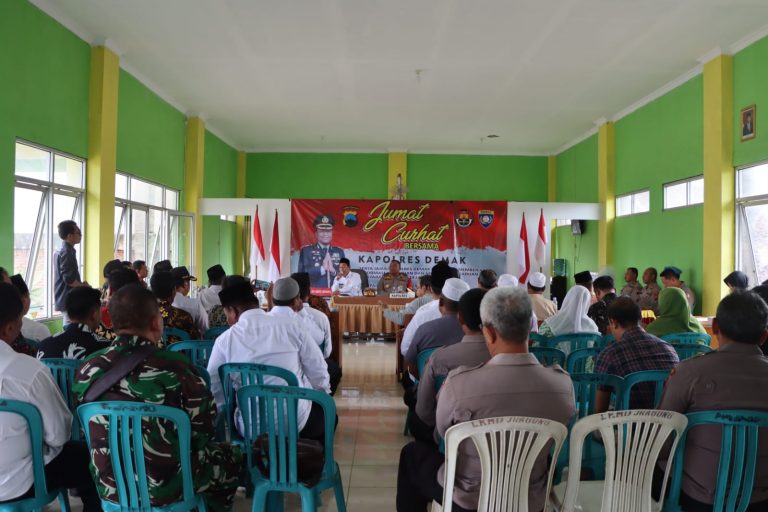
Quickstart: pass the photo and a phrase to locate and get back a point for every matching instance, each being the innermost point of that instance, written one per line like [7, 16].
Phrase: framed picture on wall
[748, 123]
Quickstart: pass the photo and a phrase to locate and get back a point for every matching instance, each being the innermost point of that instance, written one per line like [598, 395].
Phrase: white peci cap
[538, 280]
[454, 288]
[507, 280]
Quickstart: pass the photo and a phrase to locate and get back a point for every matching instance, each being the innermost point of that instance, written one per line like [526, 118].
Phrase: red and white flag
[274, 254]
[257, 245]
[523, 258]
[541, 241]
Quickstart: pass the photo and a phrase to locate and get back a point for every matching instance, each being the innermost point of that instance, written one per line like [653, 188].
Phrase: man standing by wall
[66, 274]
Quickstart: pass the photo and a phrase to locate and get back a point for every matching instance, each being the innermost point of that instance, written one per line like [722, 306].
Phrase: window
[48, 189]
[751, 222]
[146, 226]
[634, 203]
[562, 222]
[684, 193]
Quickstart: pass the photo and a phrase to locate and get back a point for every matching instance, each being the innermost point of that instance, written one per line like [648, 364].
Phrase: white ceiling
[341, 74]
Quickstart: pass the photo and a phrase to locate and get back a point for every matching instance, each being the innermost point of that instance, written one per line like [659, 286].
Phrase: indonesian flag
[523, 258]
[541, 240]
[274, 254]
[257, 245]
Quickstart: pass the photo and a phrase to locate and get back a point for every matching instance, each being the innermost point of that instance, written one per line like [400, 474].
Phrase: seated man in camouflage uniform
[164, 378]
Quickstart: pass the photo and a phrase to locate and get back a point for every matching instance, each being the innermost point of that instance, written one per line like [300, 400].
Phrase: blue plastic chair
[422, 358]
[688, 337]
[176, 333]
[585, 387]
[214, 332]
[42, 495]
[198, 351]
[656, 377]
[63, 372]
[203, 371]
[607, 339]
[548, 356]
[574, 341]
[126, 453]
[738, 457]
[271, 410]
[582, 360]
[237, 375]
[537, 340]
[689, 350]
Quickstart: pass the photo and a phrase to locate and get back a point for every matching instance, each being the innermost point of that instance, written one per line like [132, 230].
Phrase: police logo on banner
[464, 218]
[350, 216]
[486, 217]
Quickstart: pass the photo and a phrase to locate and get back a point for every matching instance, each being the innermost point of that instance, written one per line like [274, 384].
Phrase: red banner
[471, 235]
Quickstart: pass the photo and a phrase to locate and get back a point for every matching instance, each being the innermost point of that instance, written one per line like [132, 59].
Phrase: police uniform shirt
[649, 297]
[470, 351]
[507, 385]
[445, 330]
[632, 290]
[311, 261]
[282, 342]
[351, 284]
[735, 376]
[392, 283]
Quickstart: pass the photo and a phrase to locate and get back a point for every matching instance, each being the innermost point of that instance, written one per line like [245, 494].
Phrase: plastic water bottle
[554, 299]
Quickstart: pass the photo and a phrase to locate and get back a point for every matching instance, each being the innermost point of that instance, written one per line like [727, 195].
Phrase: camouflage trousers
[217, 472]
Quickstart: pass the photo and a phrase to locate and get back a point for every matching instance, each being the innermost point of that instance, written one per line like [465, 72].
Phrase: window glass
[120, 253]
[121, 186]
[146, 193]
[675, 195]
[696, 191]
[138, 235]
[752, 181]
[67, 171]
[754, 240]
[155, 238]
[624, 205]
[642, 202]
[32, 162]
[171, 199]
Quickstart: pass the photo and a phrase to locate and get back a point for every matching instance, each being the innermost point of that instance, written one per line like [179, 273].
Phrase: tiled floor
[369, 436]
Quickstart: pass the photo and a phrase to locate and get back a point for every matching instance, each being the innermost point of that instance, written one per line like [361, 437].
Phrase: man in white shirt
[431, 311]
[26, 379]
[347, 282]
[30, 329]
[308, 314]
[182, 300]
[277, 340]
[424, 296]
[209, 297]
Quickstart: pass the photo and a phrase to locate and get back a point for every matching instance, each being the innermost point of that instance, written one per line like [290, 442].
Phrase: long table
[363, 314]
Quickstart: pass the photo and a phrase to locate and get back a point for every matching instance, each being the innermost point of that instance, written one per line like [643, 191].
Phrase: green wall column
[99, 238]
[719, 192]
[242, 244]
[194, 164]
[606, 193]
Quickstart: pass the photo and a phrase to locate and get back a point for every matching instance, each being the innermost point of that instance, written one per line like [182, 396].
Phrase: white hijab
[572, 316]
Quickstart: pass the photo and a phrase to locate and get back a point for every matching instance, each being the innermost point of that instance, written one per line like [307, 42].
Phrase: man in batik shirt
[163, 378]
[164, 287]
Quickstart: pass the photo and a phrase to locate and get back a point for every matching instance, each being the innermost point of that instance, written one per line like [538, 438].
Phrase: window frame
[687, 182]
[45, 220]
[741, 203]
[632, 196]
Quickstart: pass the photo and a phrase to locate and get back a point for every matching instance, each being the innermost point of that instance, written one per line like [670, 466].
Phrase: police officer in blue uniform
[321, 260]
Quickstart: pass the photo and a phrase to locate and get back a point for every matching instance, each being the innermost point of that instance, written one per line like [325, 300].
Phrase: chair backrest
[173, 332]
[688, 337]
[738, 457]
[422, 358]
[63, 372]
[214, 332]
[237, 375]
[582, 360]
[125, 447]
[203, 371]
[363, 277]
[198, 351]
[549, 356]
[655, 378]
[31, 415]
[574, 341]
[608, 338]
[633, 441]
[508, 447]
[272, 410]
[585, 386]
[689, 350]
[537, 340]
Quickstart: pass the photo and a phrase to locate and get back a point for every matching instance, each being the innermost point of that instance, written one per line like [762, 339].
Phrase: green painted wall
[150, 135]
[364, 176]
[579, 251]
[660, 143]
[576, 170]
[220, 166]
[316, 175]
[750, 75]
[219, 246]
[477, 177]
[43, 95]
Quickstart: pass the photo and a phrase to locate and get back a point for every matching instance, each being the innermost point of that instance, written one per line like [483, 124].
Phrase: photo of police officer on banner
[321, 259]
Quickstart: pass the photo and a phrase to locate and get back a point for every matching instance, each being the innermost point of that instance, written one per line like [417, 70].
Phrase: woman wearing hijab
[674, 315]
[737, 281]
[572, 316]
